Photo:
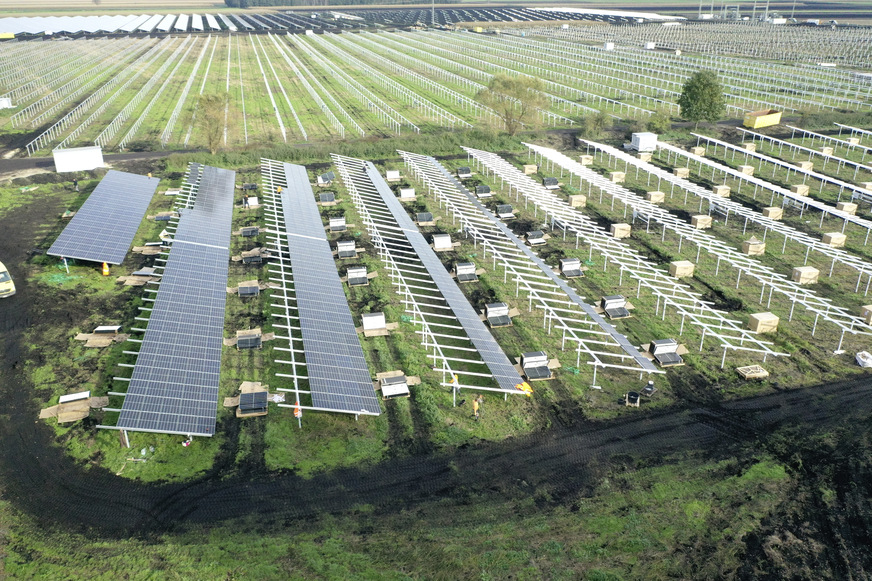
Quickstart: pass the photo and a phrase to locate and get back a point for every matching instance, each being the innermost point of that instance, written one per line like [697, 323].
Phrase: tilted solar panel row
[338, 375]
[103, 228]
[174, 386]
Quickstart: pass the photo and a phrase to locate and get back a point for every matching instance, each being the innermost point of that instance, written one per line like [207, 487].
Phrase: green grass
[629, 527]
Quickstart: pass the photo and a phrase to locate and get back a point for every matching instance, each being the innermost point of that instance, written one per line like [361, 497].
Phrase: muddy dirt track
[40, 480]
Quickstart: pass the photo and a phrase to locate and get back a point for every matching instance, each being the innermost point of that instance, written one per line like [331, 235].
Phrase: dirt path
[26, 166]
[39, 479]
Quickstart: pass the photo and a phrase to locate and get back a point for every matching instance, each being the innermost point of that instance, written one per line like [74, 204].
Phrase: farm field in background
[135, 94]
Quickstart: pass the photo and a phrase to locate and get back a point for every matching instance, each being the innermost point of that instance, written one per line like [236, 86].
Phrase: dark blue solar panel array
[491, 353]
[619, 338]
[103, 228]
[174, 387]
[339, 378]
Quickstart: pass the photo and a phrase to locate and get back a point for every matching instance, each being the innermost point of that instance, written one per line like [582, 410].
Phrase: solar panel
[103, 228]
[571, 267]
[499, 321]
[588, 309]
[618, 313]
[666, 359]
[346, 249]
[252, 403]
[394, 387]
[327, 197]
[539, 372]
[491, 353]
[339, 377]
[337, 224]
[174, 386]
[536, 237]
[249, 342]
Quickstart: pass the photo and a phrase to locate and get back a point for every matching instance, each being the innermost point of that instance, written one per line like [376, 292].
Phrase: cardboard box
[847, 207]
[800, 189]
[585, 159]
[763, 322]
[621, 230]
[701, 221]
[530, 169]
[834, 239]
[645, 156]
[806, 165]
[655, 197]
[748, 170]
[578, 200]
[617, 177]
[681, 268]
[765, 118]
[697, 151]
[867, 314]
[805, 274]
[722, 191]
[827, 150]
[773, 212]
[753, 247]
[752, 147]
[681, 172]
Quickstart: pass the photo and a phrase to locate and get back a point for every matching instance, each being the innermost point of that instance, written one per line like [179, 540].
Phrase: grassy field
[568, 484]
[428, 420]
[676, 517]
[626, 527]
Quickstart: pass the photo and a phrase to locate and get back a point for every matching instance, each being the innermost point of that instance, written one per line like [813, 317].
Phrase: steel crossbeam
[668, 290]
[647, 212]
[453, 353]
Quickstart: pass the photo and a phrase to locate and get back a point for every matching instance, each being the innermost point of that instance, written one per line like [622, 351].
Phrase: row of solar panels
[283, 21]
[174, 385]
[110, 24]
[157, 23]
[448, 16]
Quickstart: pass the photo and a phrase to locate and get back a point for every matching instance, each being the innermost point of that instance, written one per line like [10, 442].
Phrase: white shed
[78, 158]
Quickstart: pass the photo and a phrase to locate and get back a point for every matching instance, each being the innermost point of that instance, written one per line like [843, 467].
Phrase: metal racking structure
[726, 207]
[562, 307]
[744, 265]
[460, 346]
[669, 291]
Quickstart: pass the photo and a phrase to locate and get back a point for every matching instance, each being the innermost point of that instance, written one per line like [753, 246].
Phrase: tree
[659, 122]
[593, 125]
[211, 113]
[516, 100]
[702, 98]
